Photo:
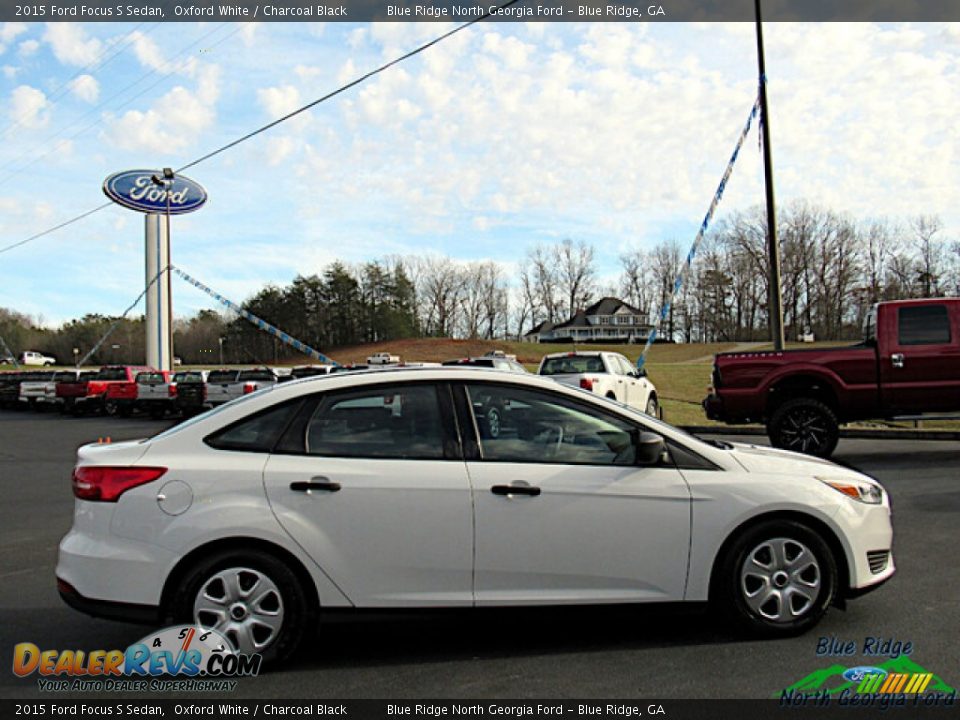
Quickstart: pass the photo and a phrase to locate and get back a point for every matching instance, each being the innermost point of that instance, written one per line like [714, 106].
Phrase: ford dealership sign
[136, 190]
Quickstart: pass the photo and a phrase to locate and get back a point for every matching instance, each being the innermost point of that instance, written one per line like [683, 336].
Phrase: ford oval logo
[856, 674]
[136, 190]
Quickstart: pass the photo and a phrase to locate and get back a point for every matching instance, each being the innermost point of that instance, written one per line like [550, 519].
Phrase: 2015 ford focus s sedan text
[387, 489]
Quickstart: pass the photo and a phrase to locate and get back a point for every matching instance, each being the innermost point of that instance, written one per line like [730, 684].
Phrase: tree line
[833, 268]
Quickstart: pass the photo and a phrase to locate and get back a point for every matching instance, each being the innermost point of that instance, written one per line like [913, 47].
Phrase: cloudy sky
[501, 137]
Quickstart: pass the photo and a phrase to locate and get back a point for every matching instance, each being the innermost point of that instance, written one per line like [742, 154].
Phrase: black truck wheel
[804, 425]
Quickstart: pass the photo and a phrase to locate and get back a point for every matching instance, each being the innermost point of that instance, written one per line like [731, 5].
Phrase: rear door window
[924, 325]
[402, 422]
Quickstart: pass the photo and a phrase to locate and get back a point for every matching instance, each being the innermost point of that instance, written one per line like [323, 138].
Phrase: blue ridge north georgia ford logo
[137, 190]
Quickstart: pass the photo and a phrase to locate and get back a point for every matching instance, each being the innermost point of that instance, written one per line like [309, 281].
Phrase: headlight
[863, 492]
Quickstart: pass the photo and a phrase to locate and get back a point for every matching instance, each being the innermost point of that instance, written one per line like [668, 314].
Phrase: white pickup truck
[218, 386]
[31, 357]
[156, 394]
[605, 373]
[39, 389]
[220, 389]
[383, 358]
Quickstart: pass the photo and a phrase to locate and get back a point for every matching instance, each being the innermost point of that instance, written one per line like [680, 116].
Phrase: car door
[370, 483]
[562, 513]
[919, 373]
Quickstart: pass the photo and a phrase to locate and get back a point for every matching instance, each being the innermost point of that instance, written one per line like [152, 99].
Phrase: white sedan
[386, 489]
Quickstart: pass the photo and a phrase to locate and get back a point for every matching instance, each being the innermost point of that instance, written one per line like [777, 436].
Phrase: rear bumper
[713, 407]
[126, 612]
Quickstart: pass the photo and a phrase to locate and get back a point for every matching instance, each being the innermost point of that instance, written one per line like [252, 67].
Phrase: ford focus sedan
[389, 490]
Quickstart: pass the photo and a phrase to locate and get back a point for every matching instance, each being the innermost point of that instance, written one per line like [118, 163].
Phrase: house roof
[609, 306]
[545, 326]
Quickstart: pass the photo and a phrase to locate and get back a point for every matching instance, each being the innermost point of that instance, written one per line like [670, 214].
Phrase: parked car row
[127, 389]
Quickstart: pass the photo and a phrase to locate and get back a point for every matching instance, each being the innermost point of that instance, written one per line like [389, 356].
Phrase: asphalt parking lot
[622, 652]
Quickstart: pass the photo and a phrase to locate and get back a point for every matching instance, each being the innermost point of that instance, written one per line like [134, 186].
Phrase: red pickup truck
[111, 390]
[907, 365]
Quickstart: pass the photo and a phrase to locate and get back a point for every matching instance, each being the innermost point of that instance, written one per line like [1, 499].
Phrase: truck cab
[907, 364]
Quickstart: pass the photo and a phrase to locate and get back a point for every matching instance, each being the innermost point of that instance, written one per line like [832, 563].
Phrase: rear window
[924, 325]
[256, 375]
[188, 377]
[220, 376]
[65, 377]
[307, 372]
[472, 362]
[112, 374]
[150, 378]
[572, 365]
[89, 375]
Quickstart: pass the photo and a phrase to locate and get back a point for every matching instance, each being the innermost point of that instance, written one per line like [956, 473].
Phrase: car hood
[759, 458]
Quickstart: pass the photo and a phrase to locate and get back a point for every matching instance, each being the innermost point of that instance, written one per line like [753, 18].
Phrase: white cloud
[10, 72]
[70, 43]
[86, 88]
[28, 48]
[9, 32]
[174, 122]
[26, 107]
[278, 101]
[147, 52]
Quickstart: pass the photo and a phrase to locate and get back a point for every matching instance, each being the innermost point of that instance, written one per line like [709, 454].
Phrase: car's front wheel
[778, 579]
[252, 598]
[652, 406]
[804, 425]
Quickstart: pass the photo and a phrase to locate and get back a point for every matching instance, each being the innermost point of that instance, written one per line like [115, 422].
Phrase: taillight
[106, 483]
[204, 391]
[249, 388]
[586, 383]
[172, 390]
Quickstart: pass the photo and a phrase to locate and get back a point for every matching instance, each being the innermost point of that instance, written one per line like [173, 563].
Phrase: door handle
[897, 360]
[317, 483]
[515, 490]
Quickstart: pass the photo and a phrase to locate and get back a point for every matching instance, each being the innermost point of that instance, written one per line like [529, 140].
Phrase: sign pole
[157, 251]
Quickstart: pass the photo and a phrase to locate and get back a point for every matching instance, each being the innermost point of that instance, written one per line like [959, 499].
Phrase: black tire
[298, 616]
[804, 425]
[157, 413]
[652, 406]
[801, 579]
[124, 410]
[611, 396]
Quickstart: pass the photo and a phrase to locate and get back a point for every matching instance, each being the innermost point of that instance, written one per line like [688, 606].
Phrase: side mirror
[650, 448]
[640, 373]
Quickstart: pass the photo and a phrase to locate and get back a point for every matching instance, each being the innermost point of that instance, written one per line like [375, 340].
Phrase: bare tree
[575, 274]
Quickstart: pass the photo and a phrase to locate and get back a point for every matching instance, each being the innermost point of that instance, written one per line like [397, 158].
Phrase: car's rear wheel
[252, 598]
[778, 579]
[804, 425]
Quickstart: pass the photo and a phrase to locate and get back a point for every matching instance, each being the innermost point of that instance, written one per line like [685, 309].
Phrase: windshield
[219, 376]
[188, 377]
[572, 365]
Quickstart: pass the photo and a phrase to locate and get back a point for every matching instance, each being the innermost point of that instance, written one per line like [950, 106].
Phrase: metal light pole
[774, 300]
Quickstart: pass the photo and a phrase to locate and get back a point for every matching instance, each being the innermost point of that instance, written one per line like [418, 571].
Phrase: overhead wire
[35, 158]
[343, 88]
